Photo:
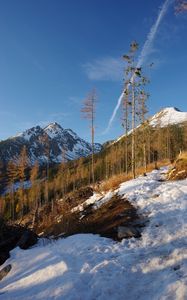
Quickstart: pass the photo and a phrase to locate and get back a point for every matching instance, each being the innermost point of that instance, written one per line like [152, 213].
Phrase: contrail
[144, 53]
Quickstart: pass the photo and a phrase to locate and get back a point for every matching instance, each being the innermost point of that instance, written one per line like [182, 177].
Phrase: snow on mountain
[38, 139]
[168, 116]
[53, 130]
[86, 266]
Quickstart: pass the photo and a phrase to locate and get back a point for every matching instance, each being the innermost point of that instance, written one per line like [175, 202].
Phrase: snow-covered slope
[91, 267]
[37, 140]
[168, 116]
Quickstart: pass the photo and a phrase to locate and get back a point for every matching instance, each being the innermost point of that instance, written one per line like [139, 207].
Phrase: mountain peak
[34, 140]
[168, 116]
[170, 109]
[53, 129]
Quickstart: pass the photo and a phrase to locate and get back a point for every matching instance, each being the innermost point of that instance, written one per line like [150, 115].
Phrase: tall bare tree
[134, 91]
[131, 73]
[88, 112]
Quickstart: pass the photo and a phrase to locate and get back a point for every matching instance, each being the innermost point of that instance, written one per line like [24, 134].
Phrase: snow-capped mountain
[52, 139]
[165, 117]
[168, 116]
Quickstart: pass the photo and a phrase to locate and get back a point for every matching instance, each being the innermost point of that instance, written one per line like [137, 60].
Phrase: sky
[52, 53]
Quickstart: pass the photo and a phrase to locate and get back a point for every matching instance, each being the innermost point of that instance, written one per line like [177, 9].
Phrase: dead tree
[88, 112]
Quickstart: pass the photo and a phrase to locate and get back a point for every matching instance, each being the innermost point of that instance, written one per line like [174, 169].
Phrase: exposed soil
[104, 221]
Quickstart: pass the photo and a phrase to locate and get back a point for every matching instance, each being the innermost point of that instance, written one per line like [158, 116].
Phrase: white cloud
[106, 68]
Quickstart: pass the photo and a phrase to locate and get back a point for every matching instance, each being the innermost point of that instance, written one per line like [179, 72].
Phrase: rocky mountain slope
[41, 143]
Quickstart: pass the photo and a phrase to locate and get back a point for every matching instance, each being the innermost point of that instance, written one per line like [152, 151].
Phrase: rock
[5, 271]
[28, 239]
[128, 232]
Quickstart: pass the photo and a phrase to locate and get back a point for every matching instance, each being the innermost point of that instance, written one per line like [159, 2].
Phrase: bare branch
[181, 6]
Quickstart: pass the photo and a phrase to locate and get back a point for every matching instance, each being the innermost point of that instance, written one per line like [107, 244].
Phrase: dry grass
[179, 170]
[113, 182]
[183, 155]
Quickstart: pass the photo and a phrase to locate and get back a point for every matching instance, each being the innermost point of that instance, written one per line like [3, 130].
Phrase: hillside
[91, 267]
[167, 116]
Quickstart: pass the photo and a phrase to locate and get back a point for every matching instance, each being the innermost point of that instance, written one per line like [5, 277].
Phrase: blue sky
[52, 53]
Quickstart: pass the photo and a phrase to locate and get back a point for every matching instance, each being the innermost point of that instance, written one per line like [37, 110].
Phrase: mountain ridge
[52, 137]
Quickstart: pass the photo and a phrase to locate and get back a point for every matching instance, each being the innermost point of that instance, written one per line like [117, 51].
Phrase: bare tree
[131, 72]
[181, 6]
[88, 112]
[126, 106]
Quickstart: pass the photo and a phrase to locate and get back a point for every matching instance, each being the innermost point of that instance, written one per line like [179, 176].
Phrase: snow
[168, 116]
[97, 199]
[53, 130]
[17, 185]
[87, 266]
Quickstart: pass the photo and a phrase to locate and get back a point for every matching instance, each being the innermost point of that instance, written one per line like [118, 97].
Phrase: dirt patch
[105, 221]
[78, 197]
